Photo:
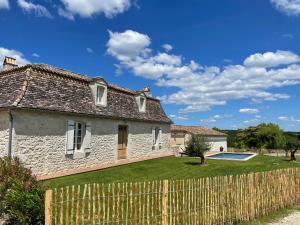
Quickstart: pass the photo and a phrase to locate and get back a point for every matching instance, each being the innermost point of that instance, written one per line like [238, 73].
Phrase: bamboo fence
[206, 201]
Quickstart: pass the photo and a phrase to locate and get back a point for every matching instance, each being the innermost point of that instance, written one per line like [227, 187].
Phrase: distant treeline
[233, 138]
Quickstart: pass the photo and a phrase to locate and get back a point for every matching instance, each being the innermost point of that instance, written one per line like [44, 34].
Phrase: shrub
[21, 196]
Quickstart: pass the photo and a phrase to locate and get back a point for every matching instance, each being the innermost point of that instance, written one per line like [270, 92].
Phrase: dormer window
[100, 98]
[141, 102]
[99, 90]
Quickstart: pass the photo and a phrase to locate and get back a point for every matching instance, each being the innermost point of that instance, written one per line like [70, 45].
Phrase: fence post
[165, 202]
[48, 207]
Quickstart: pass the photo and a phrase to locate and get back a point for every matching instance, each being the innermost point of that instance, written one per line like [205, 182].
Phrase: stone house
[59, 122]
[181, 134]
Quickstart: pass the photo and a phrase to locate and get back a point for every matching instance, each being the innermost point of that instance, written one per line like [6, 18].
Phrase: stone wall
[40, 140]
[3, 133]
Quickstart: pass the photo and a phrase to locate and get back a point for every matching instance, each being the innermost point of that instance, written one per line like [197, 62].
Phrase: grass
[273, 217]
[172, 168]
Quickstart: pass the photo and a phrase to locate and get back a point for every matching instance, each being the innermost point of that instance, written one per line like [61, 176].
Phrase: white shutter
[87, 138]
[160, 137]
[70, 137]
[153, 136]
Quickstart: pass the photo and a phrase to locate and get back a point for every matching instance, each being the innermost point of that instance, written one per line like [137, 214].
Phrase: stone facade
[39, 140]
[3, 133]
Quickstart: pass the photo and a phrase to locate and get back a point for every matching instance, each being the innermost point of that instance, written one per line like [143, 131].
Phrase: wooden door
[122, 142]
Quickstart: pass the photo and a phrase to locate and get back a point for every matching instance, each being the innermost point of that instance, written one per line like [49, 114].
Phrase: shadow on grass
[196, 164]
[192, 163]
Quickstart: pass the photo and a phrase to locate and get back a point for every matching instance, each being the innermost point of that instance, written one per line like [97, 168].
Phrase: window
[101, 95]
[157, 137]
[141, 102]
[98, 87]
[77, 136]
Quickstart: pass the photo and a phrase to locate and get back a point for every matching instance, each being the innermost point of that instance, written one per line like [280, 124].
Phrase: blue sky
[223, 63]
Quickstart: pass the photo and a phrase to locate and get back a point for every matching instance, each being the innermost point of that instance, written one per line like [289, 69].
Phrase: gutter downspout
[10, 133]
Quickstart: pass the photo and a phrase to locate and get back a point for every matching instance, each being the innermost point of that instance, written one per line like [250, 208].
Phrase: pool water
[232, 156]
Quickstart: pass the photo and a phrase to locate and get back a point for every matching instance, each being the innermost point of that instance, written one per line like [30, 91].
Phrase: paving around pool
[232, 156]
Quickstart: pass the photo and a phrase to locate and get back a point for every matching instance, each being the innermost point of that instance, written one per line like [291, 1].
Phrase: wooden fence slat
[67, 205]
[77, 206]
[165, 202]
[48, 207]
[61, 217]
[83, 204]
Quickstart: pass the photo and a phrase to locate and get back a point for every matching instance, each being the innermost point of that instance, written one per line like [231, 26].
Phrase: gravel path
[292, 219]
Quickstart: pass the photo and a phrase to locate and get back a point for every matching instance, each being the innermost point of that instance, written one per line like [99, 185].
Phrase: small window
[78, 134]
[141, 102]
[101, 95]
[156, 136]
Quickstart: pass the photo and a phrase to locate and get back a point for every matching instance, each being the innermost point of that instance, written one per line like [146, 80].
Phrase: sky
[217, 63]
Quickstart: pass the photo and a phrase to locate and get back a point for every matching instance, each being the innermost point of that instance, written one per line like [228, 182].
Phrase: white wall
[215, 142]
[3, 133]
[40, 138]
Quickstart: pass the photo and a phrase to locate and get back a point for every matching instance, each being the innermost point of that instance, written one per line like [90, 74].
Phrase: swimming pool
[232, 156]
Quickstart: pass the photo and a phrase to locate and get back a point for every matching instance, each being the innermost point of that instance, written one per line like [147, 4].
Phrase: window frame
[101, 100]
[76, 136]
[156, 136]
[139, 99]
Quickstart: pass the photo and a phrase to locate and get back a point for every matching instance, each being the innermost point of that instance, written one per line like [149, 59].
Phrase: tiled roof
[44, 87]
[196, 130]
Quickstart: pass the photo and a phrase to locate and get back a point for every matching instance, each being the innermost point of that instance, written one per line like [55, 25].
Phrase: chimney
[9, 63]
[147, 91]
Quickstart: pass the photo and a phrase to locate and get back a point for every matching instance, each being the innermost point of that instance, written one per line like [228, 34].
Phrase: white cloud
[89, 8]
[249, 111]
[21, 61]
[38, 10]
[289, 7]
[271, 59]
[167, 59]
[4, 4]
[167, 47]
[127, 45]
[176, 117]
[200, 87]
[89, 50]
[215, 118]
[288, 119]
[66, 14]
[251, 122]
[36, 55]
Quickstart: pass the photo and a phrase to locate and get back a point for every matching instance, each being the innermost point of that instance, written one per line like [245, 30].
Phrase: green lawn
[172, 168]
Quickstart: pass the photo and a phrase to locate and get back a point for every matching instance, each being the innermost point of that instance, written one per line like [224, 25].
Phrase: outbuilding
[181, 134]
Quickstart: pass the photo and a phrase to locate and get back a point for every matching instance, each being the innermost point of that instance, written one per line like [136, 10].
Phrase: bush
[21, 196]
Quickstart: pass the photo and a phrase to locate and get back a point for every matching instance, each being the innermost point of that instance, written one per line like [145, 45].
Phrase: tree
[197, 146]
[270, 136]
[292, 145]
[267, 136]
